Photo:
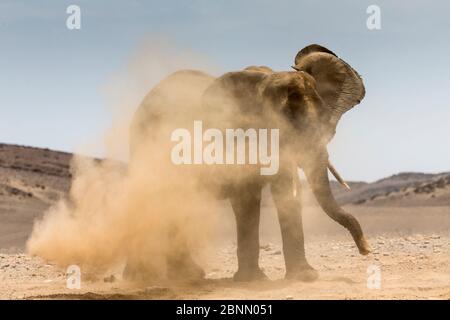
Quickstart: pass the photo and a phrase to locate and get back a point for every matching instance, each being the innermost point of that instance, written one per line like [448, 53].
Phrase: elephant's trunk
[317, 177]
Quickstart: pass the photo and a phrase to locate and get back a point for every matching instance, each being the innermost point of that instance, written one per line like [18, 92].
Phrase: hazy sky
[51, 78]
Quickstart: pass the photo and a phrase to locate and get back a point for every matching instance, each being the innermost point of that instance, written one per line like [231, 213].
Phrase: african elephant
[306, 105]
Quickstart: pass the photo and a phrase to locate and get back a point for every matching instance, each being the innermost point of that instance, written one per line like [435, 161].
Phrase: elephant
[306, 103]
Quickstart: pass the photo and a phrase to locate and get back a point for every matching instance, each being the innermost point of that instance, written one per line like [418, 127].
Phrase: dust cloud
[120, 210]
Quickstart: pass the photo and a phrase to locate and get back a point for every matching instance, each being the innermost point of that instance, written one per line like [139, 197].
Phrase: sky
[52, 79]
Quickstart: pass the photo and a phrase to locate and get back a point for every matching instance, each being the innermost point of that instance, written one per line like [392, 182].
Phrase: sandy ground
[413, 267]
[411, 249]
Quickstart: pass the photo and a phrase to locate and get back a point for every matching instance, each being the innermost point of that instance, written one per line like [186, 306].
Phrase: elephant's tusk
[294, 186]
[337, 176]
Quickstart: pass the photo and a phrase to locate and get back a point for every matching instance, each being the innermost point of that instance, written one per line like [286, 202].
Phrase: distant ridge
[402, 189]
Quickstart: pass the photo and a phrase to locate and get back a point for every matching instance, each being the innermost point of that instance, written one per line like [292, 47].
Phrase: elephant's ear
[339, 85]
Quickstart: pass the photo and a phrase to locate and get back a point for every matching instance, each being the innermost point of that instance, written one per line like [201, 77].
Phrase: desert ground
[406, 218]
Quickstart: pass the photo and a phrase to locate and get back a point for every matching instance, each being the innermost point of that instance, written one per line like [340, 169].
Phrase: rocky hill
[403, 189]
[31, 179]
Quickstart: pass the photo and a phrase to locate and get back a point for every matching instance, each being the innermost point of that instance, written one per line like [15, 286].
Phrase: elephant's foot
[140, 273]
[184, 268]
[302, 272]
[363, 246]
[247, 275]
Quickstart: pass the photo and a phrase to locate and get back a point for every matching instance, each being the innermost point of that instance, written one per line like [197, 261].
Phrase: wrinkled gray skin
[306, 105]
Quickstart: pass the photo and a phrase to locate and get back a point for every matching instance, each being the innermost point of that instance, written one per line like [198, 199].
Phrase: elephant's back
[175, 95]
[174, 101]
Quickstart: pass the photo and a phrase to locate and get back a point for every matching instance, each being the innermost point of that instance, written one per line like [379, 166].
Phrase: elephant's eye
[295, 96]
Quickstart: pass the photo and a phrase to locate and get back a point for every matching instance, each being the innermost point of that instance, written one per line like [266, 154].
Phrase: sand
[412, 265]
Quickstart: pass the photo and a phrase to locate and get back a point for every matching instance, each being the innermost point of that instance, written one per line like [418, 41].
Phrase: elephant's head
[319, 93]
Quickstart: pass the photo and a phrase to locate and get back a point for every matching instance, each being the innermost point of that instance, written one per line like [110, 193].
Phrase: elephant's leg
[246, 202]
[139, 267]
[289, 215]
[180, 264]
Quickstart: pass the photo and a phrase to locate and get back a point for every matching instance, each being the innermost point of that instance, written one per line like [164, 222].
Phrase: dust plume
[121, 210]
